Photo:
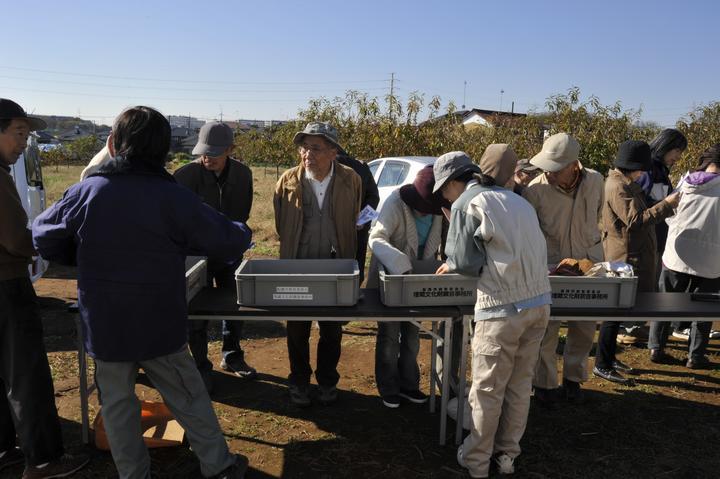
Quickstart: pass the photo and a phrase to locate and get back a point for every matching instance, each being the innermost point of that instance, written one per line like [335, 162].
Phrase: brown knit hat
[419, 195]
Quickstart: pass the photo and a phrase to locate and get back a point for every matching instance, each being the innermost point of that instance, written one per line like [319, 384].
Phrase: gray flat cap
[214, 138]
[451, 165]
[319, 128]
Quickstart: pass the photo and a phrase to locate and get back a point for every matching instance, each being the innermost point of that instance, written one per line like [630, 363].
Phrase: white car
[393, 172]
[27, 174]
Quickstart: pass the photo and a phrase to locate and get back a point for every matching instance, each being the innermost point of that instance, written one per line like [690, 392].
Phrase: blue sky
[265, 59]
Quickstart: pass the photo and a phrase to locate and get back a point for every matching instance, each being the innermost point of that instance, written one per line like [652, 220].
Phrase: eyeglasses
[312, 148]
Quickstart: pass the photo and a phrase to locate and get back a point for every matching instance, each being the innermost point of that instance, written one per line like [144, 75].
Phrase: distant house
[479, 117]
[73, 134]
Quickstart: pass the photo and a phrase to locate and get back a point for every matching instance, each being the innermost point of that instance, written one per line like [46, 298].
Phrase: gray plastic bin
[425, 288]
[590, 292]
[298, 282]
[195, 275]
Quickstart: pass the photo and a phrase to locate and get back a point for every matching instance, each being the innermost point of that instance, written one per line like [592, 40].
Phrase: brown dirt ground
[667, 426]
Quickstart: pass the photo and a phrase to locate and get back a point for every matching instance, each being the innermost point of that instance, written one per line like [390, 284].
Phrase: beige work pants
[580, 335]
[504, 353]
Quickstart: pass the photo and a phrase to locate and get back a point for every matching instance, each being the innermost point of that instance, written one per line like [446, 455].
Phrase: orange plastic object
[160, 429]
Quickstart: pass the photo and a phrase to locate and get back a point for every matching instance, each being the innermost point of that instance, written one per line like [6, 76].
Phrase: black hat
[9, 110]
[634, 155]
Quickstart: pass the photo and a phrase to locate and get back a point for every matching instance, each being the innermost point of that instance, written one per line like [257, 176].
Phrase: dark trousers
[224, 277]
[328, 352]
[607, 344]
[27, 407]
[675, 282]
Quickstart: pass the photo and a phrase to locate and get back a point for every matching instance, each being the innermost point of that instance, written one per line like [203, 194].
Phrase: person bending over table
[495, 236]
[409, 227]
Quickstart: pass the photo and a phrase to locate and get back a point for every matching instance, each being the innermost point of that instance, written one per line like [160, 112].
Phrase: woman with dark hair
[665, 150]
[128, 227]
[495, 236]
[628, 233]
[690, 261]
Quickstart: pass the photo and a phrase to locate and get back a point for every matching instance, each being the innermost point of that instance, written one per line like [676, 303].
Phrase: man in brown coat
[28, 414]
[316, 209]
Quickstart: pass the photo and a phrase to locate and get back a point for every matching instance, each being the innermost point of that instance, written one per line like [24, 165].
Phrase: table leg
[82, 363]
[433, 365]
[465, 332]
[447, 368]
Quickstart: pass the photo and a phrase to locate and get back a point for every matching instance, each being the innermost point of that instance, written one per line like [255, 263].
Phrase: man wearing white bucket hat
[568, 200]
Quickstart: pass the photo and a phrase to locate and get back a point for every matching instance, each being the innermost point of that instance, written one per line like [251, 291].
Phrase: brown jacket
[16, 249]
[569, 221]
[346, 197]
[629, 227]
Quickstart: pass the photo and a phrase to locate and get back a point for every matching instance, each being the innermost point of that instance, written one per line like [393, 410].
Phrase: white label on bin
[292, 289]
[293, 296]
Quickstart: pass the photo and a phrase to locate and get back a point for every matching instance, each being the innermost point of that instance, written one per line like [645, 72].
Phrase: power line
[234, 100]
[105, 85]
[195, 81]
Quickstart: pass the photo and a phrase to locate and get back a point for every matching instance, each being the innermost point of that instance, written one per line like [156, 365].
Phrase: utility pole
[501, 95]
[464, 92]
[392, 94]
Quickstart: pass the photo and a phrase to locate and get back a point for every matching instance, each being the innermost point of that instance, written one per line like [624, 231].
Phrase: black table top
[658, 305]
[223, 302]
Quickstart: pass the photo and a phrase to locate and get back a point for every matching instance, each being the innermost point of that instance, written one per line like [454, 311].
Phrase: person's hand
[443, 269]
[674, 199]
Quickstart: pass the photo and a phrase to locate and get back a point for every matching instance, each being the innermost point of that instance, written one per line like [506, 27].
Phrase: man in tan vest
[316, 209]
[568, 199]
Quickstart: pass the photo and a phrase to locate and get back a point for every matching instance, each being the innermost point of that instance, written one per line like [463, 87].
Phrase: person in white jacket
[408, 228]
[495, 236]
[690, 261]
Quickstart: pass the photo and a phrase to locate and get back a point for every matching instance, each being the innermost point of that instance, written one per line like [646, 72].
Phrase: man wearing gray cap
[568, 200]
[226, 185]
[495, 237]
[28, 416]
[316, 208]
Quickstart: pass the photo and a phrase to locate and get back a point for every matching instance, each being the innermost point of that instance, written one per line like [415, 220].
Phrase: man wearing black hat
[27, 402]
[226, 185]
[628, 226]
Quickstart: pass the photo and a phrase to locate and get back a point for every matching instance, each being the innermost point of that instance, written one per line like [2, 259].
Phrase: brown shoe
[63, 467]
[12, 457]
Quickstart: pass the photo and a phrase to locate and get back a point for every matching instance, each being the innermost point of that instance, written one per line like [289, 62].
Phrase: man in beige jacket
[316, 208]
[568, 199]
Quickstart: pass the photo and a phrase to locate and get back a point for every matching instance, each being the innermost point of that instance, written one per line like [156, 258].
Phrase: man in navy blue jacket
[129, 228]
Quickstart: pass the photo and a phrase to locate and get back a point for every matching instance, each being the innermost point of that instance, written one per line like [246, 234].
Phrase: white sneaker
[462, 464]
[714, 334]
[504, 463]
[683, 334]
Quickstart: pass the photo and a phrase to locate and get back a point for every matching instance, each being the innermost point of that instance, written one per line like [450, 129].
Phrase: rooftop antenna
[464, 92]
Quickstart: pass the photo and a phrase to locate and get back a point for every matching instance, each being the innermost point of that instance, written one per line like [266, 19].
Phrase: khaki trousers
[579, 342]
[504, 353]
